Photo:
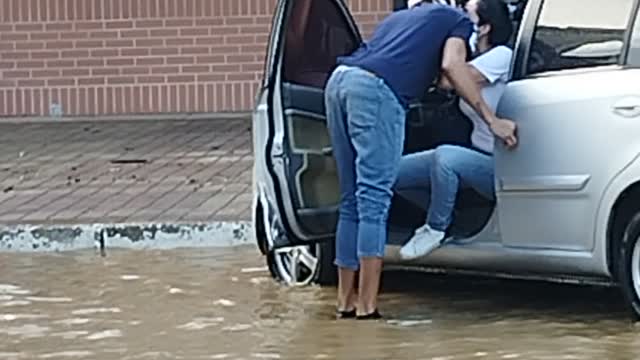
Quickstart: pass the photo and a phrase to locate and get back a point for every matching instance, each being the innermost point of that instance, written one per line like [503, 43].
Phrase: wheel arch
[626, 205]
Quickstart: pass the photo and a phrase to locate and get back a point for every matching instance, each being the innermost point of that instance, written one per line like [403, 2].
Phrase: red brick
[103, 53]
[134, 33]
[134, 52]
[90, 62]
[76, 72]
[31, 83]
[210, 59]
[29, 27]
[91, 81]
[163, 32]
[151, 79]
[148, 24]
[181, 78]
[29, 45]
[60, 45]
[135, 70]
[85, 44]
[195, 69]
[69, 35]
[60, 63]
[240, 77]
[148, 61]
[118, 43]
[260, 29]
[105, 71]
[126, 24]
[14, 36]
[89, 25]
[103, 34]
[194, 50]
[149, 42]
[198, 31]
[120, 80]
[45, 73]
[14, 55]
[61, 82]
[75, 54]
[174, 60]
[15, 74]
[165, 70]
[30, 64]
[164, 51]
[179, 22]
[120, 62]
[211, 78]
[239, 21]
[59, 26]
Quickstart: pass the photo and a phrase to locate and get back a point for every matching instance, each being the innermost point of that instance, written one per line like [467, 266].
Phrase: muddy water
[221, 304]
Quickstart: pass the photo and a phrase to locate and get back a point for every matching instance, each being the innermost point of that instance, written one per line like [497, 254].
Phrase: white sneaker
[424, 241]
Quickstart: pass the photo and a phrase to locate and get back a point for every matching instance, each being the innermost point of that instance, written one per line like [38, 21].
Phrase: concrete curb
[55, 238]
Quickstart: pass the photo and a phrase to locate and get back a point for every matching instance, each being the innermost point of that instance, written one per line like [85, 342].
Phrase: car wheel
[629, 265]
[304, 265]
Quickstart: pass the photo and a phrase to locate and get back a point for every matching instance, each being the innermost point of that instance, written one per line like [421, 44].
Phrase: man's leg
[376, 126]
[456, 166]
[452, 167]
[414, 178]
[346, 233]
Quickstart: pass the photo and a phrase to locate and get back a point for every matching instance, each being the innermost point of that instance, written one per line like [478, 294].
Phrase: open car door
[314, 33]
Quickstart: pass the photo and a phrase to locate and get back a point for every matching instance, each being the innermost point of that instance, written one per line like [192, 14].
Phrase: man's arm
[478, 78]
[456, 70]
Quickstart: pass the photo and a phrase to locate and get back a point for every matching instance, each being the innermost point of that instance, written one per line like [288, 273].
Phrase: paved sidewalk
[162, 172]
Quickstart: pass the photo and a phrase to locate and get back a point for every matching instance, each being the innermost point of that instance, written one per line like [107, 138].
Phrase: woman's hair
[496, 14]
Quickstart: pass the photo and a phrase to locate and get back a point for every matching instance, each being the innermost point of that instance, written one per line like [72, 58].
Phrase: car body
[567, 197]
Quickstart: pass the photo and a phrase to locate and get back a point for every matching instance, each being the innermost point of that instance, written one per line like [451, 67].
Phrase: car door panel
[549, 186]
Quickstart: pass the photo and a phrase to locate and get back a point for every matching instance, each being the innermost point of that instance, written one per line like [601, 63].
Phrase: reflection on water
[222, 304]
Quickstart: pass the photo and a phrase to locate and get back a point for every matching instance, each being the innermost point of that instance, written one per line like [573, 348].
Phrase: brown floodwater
[222, 304]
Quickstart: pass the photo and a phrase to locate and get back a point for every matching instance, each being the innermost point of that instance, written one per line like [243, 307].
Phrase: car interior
[316, 34]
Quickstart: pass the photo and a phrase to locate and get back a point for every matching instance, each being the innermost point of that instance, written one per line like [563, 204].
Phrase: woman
[442, 171]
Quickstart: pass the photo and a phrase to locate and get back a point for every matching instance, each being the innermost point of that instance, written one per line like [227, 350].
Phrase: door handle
[628, 107]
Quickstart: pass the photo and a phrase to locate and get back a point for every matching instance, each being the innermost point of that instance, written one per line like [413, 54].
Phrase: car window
[271, 47]
[578, 33]
[316, 35]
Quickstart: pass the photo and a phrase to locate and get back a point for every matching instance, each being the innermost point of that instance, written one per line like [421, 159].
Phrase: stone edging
[48, 238]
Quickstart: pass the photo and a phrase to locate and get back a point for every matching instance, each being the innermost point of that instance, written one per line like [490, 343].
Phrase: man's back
[406, 48]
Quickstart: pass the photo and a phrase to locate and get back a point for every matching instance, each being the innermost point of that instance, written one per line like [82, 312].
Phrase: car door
[313, 34]
[567, 95]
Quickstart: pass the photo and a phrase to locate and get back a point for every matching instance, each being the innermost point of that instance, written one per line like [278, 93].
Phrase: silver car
[568, 198]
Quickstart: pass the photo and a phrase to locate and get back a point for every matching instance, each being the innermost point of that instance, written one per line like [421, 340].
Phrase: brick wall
[113, 57]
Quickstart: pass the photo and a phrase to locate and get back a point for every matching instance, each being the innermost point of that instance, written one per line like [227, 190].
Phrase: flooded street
[222, 304]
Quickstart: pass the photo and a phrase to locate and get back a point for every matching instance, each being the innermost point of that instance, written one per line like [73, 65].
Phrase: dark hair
[496, 14]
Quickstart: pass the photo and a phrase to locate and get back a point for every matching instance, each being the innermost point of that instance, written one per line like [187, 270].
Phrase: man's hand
[505, 129]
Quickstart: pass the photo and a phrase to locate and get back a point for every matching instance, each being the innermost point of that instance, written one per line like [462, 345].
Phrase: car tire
[323, 272]
[629, 265]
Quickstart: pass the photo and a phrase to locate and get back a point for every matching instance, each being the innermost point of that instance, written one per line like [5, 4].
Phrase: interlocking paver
[114, 171]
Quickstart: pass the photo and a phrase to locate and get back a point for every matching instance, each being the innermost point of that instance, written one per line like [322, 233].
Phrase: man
[366, 99]
[434, 177]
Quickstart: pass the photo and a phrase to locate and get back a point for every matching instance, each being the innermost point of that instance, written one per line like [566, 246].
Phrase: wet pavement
[222, 304]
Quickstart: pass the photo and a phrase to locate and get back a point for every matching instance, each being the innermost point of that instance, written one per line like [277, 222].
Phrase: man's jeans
[366, 126]
[432, 178]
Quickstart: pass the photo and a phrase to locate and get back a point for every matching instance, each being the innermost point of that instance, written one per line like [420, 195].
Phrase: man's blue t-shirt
[406, 48]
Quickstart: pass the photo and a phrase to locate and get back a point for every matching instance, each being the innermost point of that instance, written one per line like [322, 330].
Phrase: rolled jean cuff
[346, 264]
[372, 238]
